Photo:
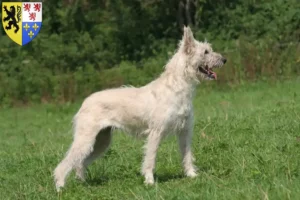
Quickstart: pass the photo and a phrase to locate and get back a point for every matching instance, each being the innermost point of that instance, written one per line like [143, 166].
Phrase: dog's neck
[174, 77]
[176, 69]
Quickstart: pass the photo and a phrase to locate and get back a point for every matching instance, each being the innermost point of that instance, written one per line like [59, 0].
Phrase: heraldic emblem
[22, 21]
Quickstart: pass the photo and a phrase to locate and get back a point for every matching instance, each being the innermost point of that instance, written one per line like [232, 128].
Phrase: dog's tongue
[213, 74]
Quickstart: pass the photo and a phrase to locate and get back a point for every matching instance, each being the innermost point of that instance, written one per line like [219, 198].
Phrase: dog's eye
[205, 52]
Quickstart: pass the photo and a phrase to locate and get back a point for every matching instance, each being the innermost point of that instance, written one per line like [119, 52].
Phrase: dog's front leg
[185, 139]
[151, 147]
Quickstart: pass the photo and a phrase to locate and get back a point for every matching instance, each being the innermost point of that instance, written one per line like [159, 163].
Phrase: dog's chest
[179, 113]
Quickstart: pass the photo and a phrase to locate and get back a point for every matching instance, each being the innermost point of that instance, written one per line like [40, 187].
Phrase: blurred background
[88, 45]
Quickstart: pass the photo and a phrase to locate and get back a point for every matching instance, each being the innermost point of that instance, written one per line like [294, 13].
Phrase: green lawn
[246, 143]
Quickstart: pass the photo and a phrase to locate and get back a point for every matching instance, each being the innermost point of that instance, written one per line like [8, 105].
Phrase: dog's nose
[224, 60]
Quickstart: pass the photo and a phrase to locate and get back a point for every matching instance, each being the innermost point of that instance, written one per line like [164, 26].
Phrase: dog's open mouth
[208, 72]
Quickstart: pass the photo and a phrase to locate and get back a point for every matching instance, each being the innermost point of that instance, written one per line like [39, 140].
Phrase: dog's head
[201, 59]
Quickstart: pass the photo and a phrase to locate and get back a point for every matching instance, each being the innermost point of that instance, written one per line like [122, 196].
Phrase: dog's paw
[58, 188]
[59, 185]
[149, 180]
[191, 174]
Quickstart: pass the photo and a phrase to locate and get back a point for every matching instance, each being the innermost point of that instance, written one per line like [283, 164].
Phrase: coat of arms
[22, 21]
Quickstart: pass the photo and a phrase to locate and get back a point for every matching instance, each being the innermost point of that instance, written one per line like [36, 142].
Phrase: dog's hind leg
[102, 143]
[81, 148]
[152, 144]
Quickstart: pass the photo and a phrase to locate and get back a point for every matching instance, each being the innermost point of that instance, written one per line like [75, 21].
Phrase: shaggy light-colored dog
[163, 106]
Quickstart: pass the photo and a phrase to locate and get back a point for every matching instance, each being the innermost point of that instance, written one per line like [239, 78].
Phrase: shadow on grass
[98, 181]
[162, 178]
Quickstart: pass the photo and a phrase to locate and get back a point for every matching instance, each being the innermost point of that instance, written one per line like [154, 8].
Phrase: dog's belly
[162, 123]
[138, 115]
[130, 120]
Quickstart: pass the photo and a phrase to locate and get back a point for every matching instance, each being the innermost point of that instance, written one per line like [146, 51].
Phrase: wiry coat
[161, 107]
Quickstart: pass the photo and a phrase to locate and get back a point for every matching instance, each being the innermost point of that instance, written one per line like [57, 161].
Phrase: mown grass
[246, 143]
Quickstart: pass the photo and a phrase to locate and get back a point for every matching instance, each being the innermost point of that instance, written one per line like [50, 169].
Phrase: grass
[246, 143]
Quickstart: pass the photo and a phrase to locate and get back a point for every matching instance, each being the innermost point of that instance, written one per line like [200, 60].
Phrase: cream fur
[161, 107]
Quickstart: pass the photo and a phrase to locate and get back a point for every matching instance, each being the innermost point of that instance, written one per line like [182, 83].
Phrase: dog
[152, 111]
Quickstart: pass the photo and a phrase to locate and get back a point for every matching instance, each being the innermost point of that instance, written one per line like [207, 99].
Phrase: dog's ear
[188, 40]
